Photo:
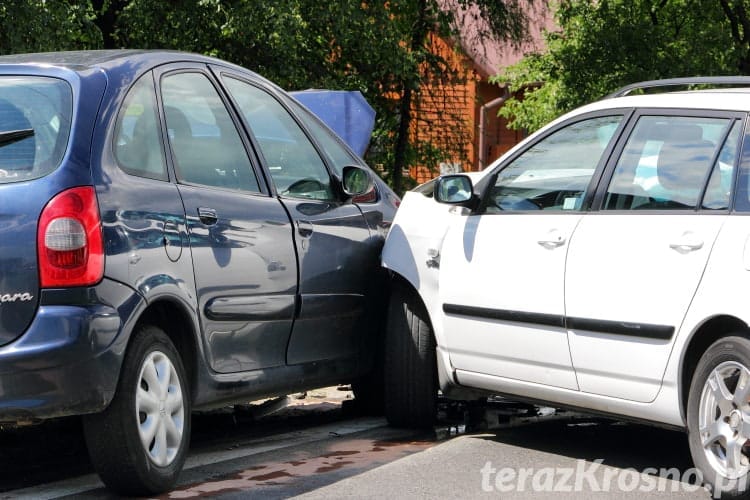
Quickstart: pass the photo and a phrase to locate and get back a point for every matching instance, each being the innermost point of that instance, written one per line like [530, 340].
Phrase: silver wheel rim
[160, 409]
[724, 419]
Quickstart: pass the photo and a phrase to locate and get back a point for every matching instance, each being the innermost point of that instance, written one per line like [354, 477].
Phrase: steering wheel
[304, 186]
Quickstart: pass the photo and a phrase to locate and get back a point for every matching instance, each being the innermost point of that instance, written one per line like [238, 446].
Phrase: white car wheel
[410, 363]
[719, 416]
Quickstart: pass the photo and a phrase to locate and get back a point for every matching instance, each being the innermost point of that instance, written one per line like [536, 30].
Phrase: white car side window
[666, 162]
[554, 173]
[719, 187]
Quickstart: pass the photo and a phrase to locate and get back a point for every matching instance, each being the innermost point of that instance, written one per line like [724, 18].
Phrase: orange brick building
[462, 118]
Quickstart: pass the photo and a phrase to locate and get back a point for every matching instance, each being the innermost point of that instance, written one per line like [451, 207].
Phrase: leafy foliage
[39, 26]
[605, 44]
[379, 48]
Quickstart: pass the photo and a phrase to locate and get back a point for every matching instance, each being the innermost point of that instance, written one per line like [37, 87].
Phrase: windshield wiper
[12, 136]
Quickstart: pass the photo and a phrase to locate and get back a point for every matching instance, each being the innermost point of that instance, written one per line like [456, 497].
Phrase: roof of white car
[725, 99]
[736, 99]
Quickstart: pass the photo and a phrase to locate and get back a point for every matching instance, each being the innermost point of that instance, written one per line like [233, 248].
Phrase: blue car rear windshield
[35, 116]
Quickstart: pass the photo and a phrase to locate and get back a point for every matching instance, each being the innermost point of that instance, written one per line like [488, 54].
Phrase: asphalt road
[314, 449]
[561, 459]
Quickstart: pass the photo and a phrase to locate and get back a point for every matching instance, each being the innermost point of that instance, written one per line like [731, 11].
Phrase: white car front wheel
[410, 363]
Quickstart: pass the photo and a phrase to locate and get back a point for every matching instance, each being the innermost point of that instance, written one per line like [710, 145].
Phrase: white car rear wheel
[719, 416]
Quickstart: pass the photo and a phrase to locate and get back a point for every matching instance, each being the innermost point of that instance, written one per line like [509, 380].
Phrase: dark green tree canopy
[379, 48]
[40, 26]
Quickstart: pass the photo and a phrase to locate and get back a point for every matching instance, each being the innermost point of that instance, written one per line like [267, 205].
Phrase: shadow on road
[619, 444]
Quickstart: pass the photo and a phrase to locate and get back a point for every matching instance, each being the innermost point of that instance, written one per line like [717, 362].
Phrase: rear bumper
[68, 360]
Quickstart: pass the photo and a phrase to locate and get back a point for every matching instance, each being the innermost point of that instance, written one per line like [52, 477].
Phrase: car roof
[706, 100]
[726, 100]
[108, 60]
[718, 99]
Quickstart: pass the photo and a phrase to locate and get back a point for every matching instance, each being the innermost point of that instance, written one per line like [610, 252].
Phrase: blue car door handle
[304, 228]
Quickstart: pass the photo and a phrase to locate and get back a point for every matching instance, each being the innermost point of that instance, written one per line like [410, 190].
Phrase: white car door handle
[687, 244]
[553, 239]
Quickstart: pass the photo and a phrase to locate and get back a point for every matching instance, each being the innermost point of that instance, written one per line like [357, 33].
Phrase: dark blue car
[176, 233]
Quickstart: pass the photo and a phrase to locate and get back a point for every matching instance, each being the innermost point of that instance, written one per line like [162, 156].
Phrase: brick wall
[447, 117]
[444, 115]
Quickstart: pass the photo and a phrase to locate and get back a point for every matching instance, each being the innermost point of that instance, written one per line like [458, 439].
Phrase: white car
[602, 264]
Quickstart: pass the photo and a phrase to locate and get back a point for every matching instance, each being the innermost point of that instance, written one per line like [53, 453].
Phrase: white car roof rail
[717, 81]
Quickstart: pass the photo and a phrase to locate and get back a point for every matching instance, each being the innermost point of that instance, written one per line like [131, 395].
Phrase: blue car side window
[296, 167]
[137, 141]
[206, 146]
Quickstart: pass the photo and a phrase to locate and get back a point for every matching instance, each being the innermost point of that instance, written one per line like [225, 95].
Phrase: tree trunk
[743, 65]
[402, 140]
[405, 109]
[740, 27]
[106, 19]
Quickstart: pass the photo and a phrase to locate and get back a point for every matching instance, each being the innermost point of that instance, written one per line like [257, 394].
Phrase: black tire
[724, 359]
[113, 437]
[369, 395]
[411, 384]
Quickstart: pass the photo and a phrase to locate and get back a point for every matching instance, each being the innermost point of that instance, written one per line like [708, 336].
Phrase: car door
[502, 269]
[240, 237]
[635, 264]
[145, 243]
[332, 237]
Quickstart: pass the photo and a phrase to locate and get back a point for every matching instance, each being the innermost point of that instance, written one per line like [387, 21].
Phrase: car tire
[139, 443]
[410, 363]
[369, 395]
[719, 417]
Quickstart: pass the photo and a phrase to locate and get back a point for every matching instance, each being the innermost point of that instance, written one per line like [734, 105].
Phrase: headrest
[684, 159]
[178, 125]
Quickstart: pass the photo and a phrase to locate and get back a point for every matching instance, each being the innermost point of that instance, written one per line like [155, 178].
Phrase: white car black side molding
[506, 315]
[657, 332]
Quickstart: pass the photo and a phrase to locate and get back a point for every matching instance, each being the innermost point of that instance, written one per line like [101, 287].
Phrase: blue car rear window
[35, 117]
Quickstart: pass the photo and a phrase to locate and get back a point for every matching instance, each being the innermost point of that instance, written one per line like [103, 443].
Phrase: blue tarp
[346, 112]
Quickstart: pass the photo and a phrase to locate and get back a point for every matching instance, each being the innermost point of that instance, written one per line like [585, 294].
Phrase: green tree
[40, 26]
[603, 45]
[413, 70]
[379, 48]
[382, 49]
